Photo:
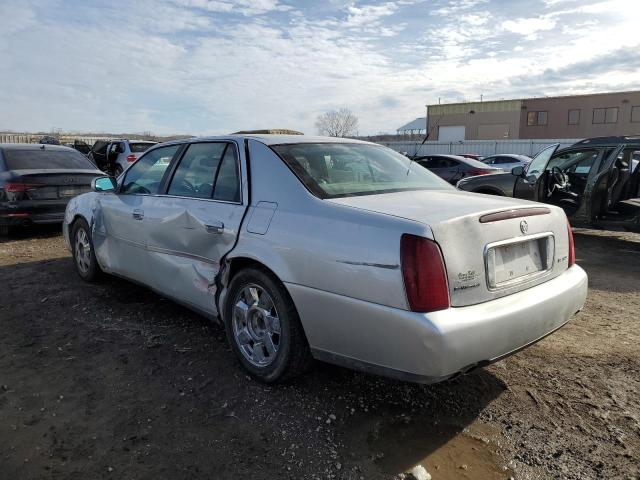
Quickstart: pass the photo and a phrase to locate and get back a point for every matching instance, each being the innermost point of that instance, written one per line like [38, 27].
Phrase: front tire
[84, 258]
[263, 327]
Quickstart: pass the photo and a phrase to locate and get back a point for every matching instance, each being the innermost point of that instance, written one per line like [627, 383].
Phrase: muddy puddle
[445, 451]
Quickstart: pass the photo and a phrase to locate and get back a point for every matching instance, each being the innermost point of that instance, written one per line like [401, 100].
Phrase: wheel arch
[232, 264]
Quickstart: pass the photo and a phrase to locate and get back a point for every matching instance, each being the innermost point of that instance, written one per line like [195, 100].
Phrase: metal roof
[417, 124]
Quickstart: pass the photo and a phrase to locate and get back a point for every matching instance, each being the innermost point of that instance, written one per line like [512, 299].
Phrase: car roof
[270, 139]
[510, 155]
[627, 139]
[444, 155]
[33, 147]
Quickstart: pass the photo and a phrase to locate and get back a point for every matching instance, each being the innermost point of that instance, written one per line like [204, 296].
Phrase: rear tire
[5, 230]
[84, 258]
[263, 327]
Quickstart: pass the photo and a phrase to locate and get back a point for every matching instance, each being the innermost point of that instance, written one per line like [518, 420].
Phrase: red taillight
[424, 274]
[131, 158]
[15, 187]
[572, 247]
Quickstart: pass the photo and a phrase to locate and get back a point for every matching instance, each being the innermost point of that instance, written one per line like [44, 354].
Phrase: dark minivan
[37, 181]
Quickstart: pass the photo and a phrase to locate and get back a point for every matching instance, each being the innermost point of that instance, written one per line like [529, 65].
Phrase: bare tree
[337, 123]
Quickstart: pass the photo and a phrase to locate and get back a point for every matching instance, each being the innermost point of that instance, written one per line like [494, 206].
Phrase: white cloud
[205, 67]
[529, 27]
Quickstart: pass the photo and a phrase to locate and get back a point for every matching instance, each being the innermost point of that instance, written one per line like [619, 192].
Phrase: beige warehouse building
[575, 116]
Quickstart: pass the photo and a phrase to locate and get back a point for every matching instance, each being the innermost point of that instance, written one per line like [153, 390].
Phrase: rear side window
[228, 178]
[46, 160]
[140, 147]
[144, 176]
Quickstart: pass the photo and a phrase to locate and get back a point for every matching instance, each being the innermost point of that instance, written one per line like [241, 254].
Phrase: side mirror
[517, 171]
[104, 184]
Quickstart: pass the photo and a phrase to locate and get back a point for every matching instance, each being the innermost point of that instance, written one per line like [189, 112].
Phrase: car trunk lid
[492, 246]
[50, 184]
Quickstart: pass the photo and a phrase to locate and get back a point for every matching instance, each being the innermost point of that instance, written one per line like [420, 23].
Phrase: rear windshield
[140, 147]
[46, 160]
[333, 170]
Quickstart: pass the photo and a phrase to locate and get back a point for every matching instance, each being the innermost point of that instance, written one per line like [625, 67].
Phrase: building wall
[558, 116]
[482, 120]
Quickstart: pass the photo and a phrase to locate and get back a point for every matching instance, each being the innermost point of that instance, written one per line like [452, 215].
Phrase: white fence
[480, 147]
[31, 138]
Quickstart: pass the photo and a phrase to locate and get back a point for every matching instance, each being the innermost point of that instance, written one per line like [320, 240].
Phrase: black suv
[595, 181]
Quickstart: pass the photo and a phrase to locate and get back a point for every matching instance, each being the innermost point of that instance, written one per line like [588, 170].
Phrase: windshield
[140, 147]
[332, 170]
[46, 160]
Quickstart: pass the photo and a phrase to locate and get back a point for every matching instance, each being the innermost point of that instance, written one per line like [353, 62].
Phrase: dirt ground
[114, 382]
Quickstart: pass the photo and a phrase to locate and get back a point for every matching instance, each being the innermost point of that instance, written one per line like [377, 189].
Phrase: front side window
[578, 162]
[333, 170]
[144, 176]
[196, 173]
[539, 162]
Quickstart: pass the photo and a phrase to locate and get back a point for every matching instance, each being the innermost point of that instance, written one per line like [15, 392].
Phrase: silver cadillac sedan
[344, 251]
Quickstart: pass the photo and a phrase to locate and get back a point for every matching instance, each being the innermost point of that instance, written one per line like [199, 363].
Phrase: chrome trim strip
[514, 213]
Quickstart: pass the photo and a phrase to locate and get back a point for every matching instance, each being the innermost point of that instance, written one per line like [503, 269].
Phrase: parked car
[81, 146]
[37, 181]
[114, 156]
[453, 168]
[335, 249]
[593, 181]
[506, 161]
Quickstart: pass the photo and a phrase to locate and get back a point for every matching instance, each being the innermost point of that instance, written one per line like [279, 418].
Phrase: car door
[529, 185]
[439, 166]
[455, 170]
[195, 222]
[119, 234]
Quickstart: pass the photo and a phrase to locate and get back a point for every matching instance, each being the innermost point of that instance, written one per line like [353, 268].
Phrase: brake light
[424, 274]
[131, 158]
[16, 187]
[572, 247]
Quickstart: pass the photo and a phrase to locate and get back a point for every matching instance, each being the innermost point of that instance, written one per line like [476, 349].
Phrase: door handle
[215, 227]
[138, 214]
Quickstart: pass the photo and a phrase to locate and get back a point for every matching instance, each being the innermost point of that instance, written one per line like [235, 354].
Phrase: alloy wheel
[82, 251]
[256, 325]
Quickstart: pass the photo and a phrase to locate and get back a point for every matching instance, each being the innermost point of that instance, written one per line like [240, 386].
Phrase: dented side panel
[186, 239]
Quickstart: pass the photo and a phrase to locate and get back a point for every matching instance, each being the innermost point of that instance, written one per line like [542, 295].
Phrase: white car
[506, 161]
[335, 249]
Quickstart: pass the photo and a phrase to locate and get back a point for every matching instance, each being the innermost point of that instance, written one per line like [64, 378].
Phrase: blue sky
[216, 66]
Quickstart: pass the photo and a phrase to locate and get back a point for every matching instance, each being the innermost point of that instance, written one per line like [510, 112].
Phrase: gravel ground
[113, 381]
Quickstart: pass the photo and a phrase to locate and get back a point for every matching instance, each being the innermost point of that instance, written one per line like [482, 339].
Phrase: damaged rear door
[195, 222]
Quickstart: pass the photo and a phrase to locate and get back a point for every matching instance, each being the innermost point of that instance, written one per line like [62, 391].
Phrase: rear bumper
[432, 347]
[28, 212]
